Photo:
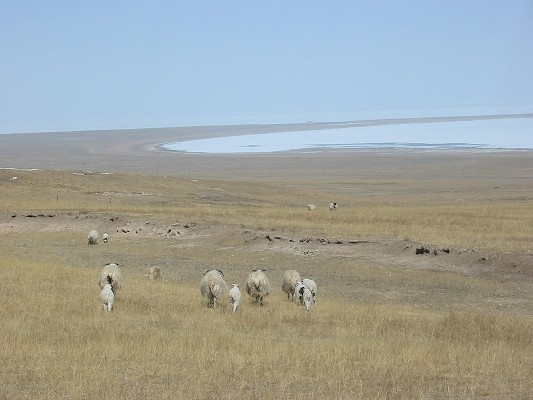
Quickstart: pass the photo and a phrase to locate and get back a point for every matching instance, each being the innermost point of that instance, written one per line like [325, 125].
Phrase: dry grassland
[387, 324]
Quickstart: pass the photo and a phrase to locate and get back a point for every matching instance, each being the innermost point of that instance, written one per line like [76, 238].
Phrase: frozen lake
[506, 133]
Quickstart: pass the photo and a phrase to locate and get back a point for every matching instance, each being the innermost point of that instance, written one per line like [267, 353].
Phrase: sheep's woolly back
[290, 278]
[257, 286]
[107, 297]
[110, 273]
[234, 297]
[93, 237]
[213, 286]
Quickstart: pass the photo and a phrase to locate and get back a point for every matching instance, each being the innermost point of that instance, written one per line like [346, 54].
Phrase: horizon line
[319, 124]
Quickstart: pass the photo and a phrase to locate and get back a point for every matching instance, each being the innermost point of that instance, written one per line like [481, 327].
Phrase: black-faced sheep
[93, 237]
[105, 237]
[234, 296]
[333, 206]
[213, 286]
[298, 292]
[290, 278]
[110, 274]
[257, 286]
[311, 285]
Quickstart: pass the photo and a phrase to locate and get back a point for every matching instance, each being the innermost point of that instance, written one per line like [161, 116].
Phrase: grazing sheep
[307, 298]
[93, 237]
[234, 296]
[213, 286]
[311, 285]
[110, 274]
[311, 207]
[14, 179]
[155, 274]
[333, 206]
[257, 286]
[107, 296]
[298, 291]
[105, 237]
[290, 278]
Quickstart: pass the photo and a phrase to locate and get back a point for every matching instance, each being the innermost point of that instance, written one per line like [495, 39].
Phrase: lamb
[155, 274]
[333, 206]
[307, 298]
[257, 286]
[93, 237]
[234, 296]
[107, 296]
[290, 278]
[298, 291]
[213, 286]
[105, 237]
[110, 274]
[311, 285]
[311, 207]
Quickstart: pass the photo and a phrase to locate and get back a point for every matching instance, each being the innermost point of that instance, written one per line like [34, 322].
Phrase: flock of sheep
[213, 286]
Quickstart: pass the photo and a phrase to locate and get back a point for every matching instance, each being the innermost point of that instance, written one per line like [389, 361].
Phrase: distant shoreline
[353, 137]
[139, 151]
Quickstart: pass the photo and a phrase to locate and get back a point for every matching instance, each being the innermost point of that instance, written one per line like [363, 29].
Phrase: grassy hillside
[504, 224]
[391, 326]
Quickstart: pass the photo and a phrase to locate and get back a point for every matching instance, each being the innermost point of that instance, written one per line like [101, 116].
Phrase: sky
[68, 65]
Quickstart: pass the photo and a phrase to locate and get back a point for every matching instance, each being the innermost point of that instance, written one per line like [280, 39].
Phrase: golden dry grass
[161, 342]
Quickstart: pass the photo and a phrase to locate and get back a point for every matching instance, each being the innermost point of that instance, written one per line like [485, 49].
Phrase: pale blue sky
[69, 65]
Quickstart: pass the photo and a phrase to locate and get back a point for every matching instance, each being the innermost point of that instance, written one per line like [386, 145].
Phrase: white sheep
[110, 274]
[107, 297]
[333, 206]
[311, 285]
[93, 237]
[307, 298]
[105, 237]
[14, 179]
[298, 291]
[213, 286]
[234, 296]
[290, 278]
[311, 207]
[257, 286]
[155, 274]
